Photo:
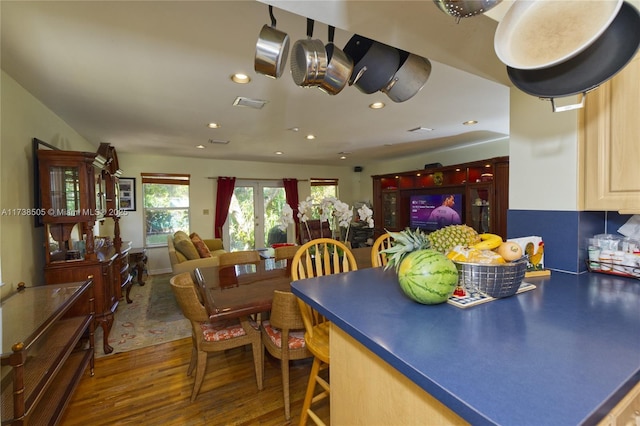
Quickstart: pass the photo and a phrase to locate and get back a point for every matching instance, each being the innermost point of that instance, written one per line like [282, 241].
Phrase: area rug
[154, 317]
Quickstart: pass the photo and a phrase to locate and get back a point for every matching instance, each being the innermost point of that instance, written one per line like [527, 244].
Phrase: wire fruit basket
[497, 281]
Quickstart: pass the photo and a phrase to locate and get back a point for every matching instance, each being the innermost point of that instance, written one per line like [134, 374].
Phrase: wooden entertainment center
[482, 185]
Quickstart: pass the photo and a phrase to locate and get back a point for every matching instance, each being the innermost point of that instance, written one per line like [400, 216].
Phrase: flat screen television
[430, 212]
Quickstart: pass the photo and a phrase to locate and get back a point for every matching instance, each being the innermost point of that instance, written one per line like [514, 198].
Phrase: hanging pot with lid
[339, 68]
[272, 49]
[609, 54]
[410, 78]
[374, 63]
[308, 60]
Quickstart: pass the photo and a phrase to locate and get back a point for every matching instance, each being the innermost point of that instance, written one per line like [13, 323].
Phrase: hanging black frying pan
[593, 66]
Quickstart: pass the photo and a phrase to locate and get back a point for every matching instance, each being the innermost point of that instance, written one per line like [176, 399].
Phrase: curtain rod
[241, 178]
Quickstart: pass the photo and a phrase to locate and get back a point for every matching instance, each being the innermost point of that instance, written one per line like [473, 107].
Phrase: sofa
[188, 252]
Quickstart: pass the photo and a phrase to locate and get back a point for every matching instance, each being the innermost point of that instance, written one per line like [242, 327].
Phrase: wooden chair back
[383, 242]
[319, 257]
[239, 258]
[322, 256]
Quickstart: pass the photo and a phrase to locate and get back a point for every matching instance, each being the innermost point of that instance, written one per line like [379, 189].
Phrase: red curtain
[223, 199]
[291, 192]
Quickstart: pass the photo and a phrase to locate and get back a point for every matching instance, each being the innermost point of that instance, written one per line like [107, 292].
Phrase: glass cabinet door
[65, 190]
[390, 210]
[480, 202]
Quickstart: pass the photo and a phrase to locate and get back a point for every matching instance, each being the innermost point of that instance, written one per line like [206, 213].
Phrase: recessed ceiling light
[240, 78]
[200, 146]
[377, 105]
[278, 152]
[343, 157]
[470, 122]
[294, 129]
[213, 126]
[310, 136]
[420, 129]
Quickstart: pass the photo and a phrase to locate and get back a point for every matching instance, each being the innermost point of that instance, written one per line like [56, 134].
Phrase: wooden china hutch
[76, 190]
[482, 185]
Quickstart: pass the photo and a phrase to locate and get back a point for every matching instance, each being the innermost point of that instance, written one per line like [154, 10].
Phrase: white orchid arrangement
[331, 210]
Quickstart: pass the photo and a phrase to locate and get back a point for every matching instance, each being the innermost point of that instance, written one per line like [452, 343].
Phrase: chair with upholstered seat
[209, 336]
[381, 243]
[242, 257]
[285, 252]
[285, 325]
[319, 257]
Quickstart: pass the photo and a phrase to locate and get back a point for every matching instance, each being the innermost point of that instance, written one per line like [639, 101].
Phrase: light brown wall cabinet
[41, 347]
[610, 144]
[484, 184]
[78, 188]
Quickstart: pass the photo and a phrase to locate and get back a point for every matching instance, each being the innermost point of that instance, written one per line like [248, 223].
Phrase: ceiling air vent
[248, 102]
[218, 141]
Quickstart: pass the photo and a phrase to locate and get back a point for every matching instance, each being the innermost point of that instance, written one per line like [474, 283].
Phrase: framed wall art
[127, 193]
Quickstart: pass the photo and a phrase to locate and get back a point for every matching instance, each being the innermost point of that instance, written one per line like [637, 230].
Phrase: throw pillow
[180, 235]
[187, 248]
[215, 244]
[202, 248]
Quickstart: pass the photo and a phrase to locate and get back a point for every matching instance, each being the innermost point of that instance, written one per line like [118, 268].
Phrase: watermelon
[427, 276]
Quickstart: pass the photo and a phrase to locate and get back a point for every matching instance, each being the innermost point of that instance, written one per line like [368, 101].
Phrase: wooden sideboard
[46, 350]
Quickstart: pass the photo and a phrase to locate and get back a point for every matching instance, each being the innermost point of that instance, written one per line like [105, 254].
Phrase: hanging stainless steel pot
[410, 78]
[272, 49]
[465, 8]
[339, 68]
[540, 34]
[584, 72]
[374, 63]
[308, 60]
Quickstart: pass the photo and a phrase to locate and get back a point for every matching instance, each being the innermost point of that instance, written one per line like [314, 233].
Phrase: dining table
[233, 291]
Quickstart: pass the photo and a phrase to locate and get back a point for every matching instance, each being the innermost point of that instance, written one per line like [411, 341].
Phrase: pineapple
[446, 238]
[404, 242]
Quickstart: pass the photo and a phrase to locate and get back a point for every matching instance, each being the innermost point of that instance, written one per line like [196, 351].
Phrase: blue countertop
[562, 354]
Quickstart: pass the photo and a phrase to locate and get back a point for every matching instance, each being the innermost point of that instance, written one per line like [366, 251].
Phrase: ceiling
[148, 76]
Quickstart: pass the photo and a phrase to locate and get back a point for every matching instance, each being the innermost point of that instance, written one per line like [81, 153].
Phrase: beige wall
[23, 118]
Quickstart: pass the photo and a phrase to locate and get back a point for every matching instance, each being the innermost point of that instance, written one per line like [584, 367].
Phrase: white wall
[543, 155]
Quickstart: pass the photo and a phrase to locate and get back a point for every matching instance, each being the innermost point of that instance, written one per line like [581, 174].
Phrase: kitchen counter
[562, 354]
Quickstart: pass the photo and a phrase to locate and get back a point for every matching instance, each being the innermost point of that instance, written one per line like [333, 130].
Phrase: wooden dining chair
[283, 337]
[319, 257]
[209, 336]
[383, 242]
[242, 257]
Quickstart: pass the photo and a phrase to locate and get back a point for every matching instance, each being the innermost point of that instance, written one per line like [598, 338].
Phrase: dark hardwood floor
[150, 386]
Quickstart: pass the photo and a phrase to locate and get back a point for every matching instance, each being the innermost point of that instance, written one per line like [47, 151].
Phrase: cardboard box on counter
[533, 249]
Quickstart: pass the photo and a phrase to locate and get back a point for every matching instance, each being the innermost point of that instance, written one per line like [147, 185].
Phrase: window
[166, 206]
[322, 188]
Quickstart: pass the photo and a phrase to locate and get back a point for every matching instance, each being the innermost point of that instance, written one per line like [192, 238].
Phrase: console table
[138, 259]
[43, 345]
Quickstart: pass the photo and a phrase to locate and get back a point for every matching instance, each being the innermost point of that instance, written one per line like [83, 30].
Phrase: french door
[254, 215]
